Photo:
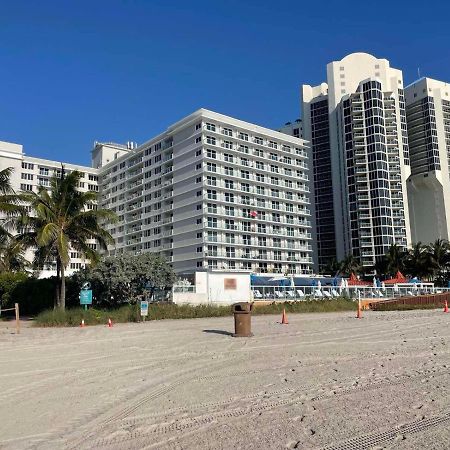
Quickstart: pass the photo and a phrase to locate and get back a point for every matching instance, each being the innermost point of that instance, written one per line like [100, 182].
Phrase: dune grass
[131, 313]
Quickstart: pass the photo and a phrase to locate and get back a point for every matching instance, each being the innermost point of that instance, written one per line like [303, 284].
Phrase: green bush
[9, 282]
[159, 311]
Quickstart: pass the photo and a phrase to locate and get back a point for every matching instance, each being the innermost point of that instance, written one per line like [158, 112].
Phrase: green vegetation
[428, 262]
[63, 219]
[158, 311]
[125, 278]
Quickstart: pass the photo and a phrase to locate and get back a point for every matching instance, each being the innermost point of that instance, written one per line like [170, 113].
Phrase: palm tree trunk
[57, 285]
[62, 297]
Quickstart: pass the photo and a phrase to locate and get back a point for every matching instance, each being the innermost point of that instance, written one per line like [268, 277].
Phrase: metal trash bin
[242, 319]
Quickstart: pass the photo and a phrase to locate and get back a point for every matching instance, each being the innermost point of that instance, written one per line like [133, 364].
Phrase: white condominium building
[29, 173]
[361, 163]
[428, 117]
[212, 192]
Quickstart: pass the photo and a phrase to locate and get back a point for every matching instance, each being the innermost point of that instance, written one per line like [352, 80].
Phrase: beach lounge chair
[326, 294]
[318, 293]
[257, 294]
[334, 293]
[300, 294]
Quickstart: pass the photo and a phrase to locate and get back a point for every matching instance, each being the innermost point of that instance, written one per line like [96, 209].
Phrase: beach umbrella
[319, 285]
[383, 286]
[374, 282]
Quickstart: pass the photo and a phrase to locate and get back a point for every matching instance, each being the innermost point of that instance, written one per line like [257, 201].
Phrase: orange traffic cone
[446, 307]
[82, 323]
[109, 323]
[359, 313]
[284, 320]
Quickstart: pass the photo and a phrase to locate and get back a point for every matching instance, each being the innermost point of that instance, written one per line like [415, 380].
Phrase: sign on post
[144, 308]
[86, 297]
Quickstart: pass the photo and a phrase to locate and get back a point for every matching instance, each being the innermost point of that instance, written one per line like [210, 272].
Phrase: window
[227, 132]
[259, 153]
[211, 236]
[27, 166]
[198, 152]
[243, 136]
[260, 165]
[26, 187]
[229, 197]
[27, 176]
[198, 180]
[260, 178]
[227, 144]
[230, 238]
[229, 224]
[229, 171]
[198, 126]
[199, 235]
[244, 162]
[245, 174]
[243, 149]
[228, 158]
[212, 208]
[229, 210]
[273, 144]
[198, 139]
[210, 127]
[212, 195]
[245, 187]
[211, 153]
[43, 171]
[199, 249]
[229, 184]
[259, 140]
[211, 181]
[230, 252]
[211, 167]
[210, 140]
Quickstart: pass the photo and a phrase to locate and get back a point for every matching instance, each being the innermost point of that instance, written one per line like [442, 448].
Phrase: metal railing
[296, 293]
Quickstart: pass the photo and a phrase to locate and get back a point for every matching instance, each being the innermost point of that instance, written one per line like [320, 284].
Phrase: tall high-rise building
[428, 117]
[356, 124]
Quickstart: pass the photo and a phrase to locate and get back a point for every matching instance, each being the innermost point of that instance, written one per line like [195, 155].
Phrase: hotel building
[356, 123]
[213, 192]
[428, 118]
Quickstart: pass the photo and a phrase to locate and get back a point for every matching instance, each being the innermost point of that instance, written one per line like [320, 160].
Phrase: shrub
[159, 311]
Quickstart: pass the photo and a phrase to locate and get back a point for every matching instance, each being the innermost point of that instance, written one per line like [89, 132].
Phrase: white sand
[323, 380]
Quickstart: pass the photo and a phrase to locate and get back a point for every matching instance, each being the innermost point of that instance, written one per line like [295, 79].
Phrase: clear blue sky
[72, 72]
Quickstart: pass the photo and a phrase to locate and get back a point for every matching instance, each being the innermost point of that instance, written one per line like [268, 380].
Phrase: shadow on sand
[225, 333]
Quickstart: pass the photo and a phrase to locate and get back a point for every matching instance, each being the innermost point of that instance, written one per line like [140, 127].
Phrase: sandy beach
[323, 381]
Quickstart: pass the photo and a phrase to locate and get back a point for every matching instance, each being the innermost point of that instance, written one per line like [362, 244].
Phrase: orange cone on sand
[82, 323]
[109, 323]
[284, 320]
[446, 307]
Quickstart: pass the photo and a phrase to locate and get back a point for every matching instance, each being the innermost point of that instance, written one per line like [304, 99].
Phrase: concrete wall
[218, 288]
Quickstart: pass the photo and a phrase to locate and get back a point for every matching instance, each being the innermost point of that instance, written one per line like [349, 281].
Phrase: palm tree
[439, 255]
[350, 264]
[61, 221]
[417, 261]
[9, 201]
[395, 259]
[12, 255]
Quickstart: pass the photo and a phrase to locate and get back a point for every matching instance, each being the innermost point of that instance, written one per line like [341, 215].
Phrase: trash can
[242, 319]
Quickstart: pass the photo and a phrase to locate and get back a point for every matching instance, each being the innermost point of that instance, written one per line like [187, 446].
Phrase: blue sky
[72, 72]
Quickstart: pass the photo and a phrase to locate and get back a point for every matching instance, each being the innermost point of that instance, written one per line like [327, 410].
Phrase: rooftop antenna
[418, 72]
